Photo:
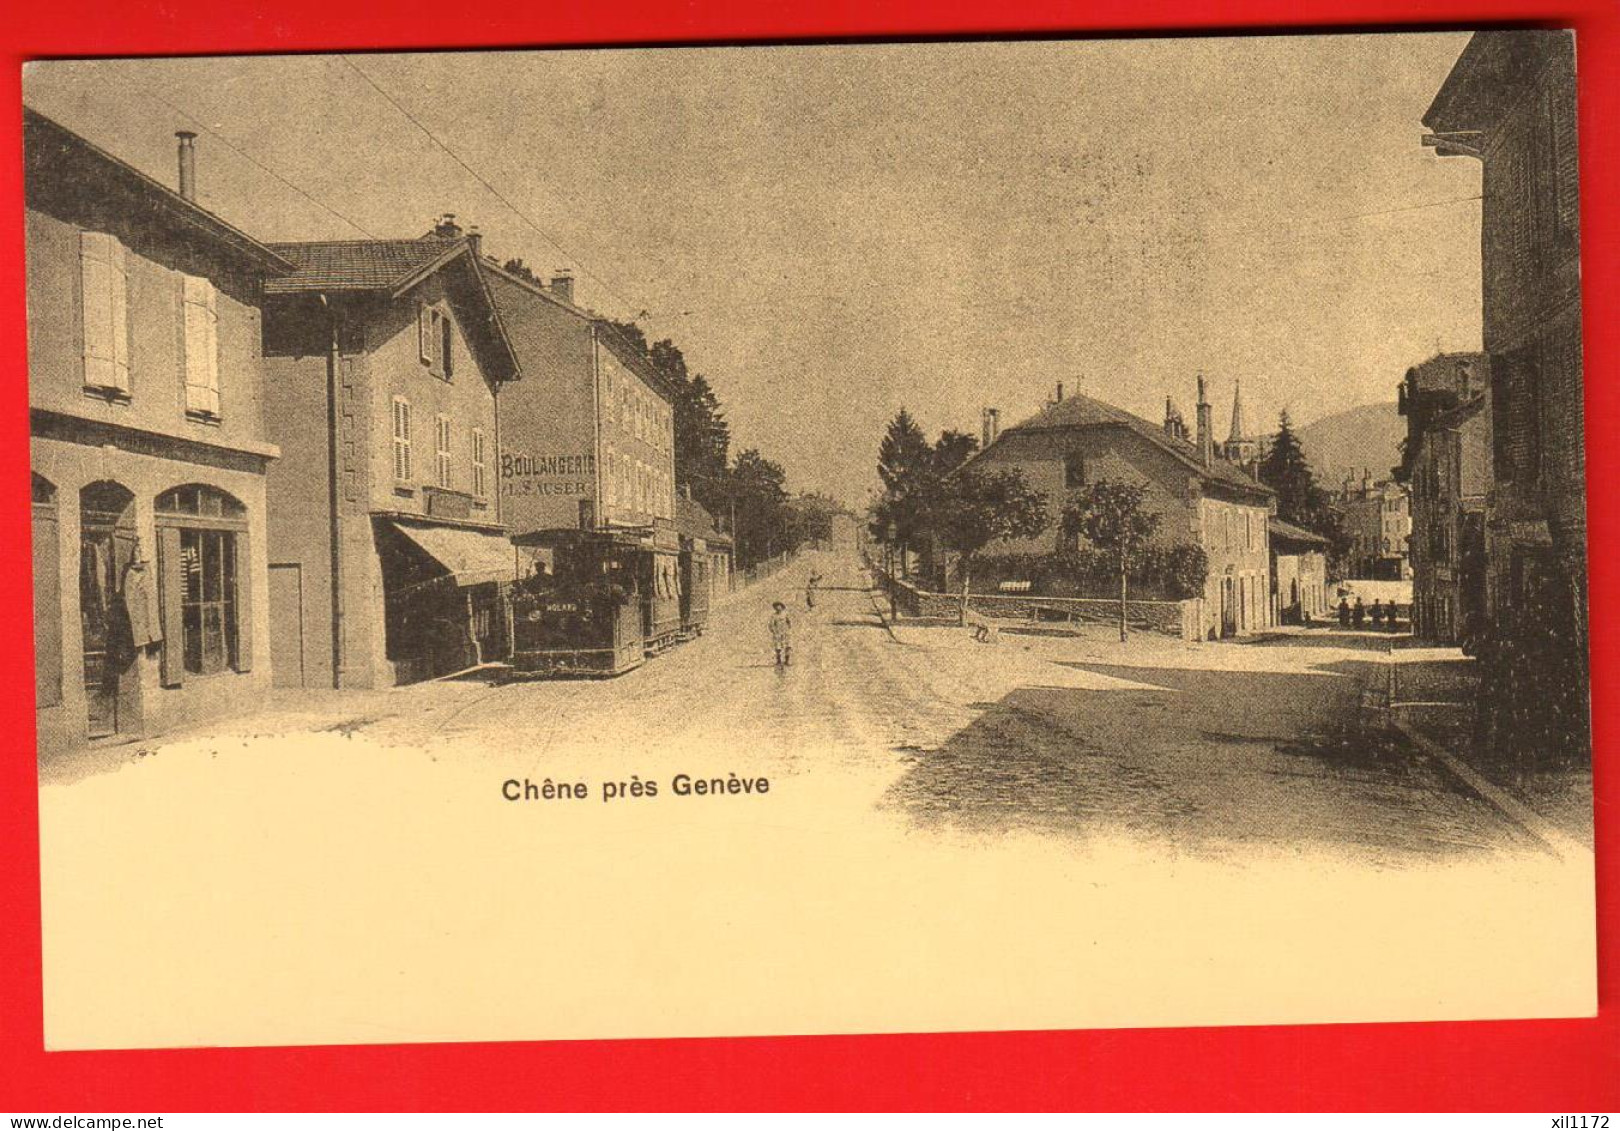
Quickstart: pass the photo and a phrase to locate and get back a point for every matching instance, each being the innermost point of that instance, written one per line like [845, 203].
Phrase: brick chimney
[188, 164]
[1206, 427]
[562, 285]
[991, 427]
[446, 228]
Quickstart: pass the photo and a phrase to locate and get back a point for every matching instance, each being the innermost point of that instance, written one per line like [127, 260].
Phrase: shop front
[445, 596]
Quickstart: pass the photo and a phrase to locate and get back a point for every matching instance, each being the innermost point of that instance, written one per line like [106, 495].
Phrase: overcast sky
[832, 232]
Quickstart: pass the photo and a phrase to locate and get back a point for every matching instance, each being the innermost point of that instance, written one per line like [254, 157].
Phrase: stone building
[1510, 103]
[1377, 516]
[387, 548]
[1446, 465]
[1298, 573]
[1201, 498]
[149, 446]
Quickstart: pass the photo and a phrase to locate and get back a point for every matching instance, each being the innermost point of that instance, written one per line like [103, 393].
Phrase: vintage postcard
[814, 539]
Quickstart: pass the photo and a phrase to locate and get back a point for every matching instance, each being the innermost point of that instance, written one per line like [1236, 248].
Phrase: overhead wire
[245, 155]
[490, 188]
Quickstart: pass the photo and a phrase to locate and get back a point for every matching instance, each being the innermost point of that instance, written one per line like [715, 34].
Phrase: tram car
[579, 611]
[659, 587]
[696, 592]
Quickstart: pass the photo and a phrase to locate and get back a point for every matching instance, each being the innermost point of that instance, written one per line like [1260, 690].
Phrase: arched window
[203, 572]
[201, 501]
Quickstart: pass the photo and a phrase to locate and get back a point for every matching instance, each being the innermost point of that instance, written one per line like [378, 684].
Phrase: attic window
[433, 336]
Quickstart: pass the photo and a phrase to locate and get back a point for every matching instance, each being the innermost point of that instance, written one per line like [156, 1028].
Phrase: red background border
[1555, 1066]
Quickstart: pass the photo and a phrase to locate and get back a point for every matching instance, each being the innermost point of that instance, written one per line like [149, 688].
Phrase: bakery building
[587, 456]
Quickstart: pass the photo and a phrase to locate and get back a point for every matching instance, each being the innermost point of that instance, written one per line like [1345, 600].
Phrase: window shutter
[120, 313]
[201, 316]
[424, 333]
[170, 582]
[244, 602]
[47, 607]
[104, 312]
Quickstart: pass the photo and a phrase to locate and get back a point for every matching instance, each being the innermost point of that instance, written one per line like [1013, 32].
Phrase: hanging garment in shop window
[140, 604]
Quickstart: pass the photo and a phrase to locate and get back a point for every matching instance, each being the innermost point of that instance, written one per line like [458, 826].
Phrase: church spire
[1238, 431]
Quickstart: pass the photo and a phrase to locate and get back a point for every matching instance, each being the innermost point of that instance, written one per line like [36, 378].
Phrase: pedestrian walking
[1344, 612]
[781, 626]
[1358, 615]
[1378, 615]
[810, 590]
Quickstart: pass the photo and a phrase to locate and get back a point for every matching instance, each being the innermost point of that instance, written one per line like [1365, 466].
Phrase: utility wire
[245, 155]
[491, 189]
[1313, 224]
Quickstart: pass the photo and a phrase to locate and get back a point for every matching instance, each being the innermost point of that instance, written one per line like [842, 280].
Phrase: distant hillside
[1346, 442]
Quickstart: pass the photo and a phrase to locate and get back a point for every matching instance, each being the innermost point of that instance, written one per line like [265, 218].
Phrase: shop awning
[472, 556]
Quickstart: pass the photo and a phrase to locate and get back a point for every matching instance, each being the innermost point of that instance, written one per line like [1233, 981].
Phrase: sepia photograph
[808, 539]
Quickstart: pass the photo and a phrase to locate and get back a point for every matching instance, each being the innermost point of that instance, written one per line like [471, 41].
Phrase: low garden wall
[1180, 619]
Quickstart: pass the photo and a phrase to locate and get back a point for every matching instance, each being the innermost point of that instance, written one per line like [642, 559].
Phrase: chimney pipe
[562, 285]
[1206, 427]
[188, 164]
[475, 239]
[1060, 392]
[991, 427]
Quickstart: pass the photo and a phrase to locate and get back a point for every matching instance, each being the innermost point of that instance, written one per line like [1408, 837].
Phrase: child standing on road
[810, 591]
[782, 634]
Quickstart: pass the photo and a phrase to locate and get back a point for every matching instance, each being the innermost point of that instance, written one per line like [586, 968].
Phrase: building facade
[1377, 517]
[1446, 466]
[588, 443]
[1510, 103]
[149, 447]
[1200, 497]
[387, 548]
[1298, 573]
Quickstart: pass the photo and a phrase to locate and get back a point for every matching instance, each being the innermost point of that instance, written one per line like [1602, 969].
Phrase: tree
[522, 270]
[905, 461]
[765, 525]
[932, 488]
[981, 507]
[1112, 515]
[1300, 500]
[952, 450]
[702, 443]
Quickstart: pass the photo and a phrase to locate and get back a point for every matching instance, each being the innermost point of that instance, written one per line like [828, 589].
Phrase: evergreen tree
[1300, 499]
[905, 465]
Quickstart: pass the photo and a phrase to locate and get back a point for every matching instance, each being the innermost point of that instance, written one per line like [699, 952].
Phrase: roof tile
[1079, 411]
[354, 265]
